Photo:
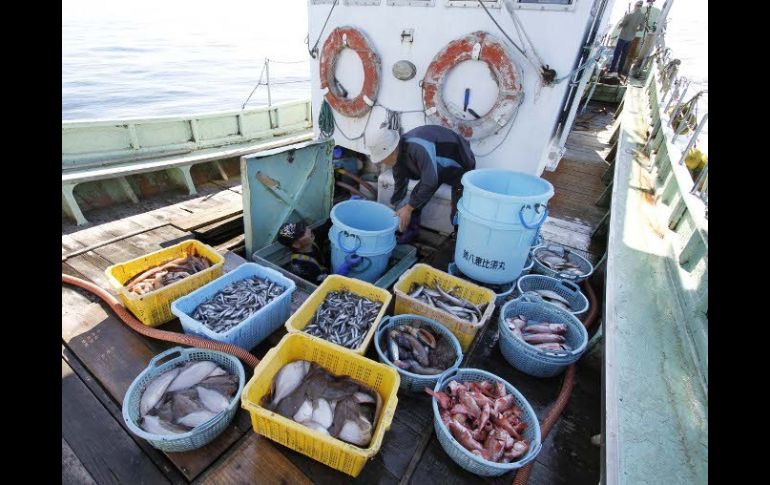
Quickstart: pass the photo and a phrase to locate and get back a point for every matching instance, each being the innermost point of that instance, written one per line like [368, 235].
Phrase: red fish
[463, 436]
[443, 400]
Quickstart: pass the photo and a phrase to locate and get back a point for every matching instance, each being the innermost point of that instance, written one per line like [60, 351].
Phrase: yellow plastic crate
[154, 308]
[330, 451]
[305, 313]
[422, 274]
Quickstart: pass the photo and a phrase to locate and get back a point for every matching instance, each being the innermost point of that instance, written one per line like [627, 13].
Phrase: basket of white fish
[484, 423]
[184, 403]
[561, 293]
[322, 400]
[240, 308]
[421, 350]
[540, 339]
[559, 262]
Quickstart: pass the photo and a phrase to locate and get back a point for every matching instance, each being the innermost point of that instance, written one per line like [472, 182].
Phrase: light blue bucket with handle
[499, 218]
[367, 229]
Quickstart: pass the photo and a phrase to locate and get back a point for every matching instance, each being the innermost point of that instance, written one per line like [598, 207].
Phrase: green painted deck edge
[655, 412]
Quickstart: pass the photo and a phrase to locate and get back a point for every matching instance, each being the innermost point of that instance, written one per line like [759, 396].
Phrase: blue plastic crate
[251, 331]
[202, 434]
[474, 463]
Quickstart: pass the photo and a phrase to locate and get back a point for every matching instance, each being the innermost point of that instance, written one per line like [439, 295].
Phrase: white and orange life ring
[352, 38]
[475, 46]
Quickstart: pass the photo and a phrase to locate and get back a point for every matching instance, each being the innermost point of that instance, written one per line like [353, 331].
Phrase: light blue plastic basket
[251, 331]
[467, 460]
[409, 380]
[527, 358]
[202, 434]
[585, 266]
[568, 290]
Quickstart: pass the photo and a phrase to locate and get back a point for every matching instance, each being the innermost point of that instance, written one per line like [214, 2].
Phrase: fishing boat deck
[101, 356]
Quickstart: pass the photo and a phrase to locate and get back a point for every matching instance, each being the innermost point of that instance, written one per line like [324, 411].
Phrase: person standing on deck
[628, 27]
[432, 154]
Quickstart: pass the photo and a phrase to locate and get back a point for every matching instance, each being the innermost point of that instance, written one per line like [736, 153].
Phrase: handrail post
[694, 136]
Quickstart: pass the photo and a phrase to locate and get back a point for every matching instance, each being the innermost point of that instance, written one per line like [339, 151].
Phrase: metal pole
[694, 136]
[679, 101]
[267, 71]
[701, 177]
[598, 70]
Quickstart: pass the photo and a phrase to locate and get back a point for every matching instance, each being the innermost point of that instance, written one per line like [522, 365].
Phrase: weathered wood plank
[202, 218]
[255, 460]
[108, 454]
[72, 470]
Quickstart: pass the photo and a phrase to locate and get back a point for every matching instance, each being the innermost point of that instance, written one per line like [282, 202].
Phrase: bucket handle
[571, 286]
[155, 361]
[538, 207]
[347, 235]
[363, 260]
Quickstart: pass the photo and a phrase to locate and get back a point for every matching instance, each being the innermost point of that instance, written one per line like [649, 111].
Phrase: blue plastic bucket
[490, 252]
[499, 218]
[366, 228]
[505, 196]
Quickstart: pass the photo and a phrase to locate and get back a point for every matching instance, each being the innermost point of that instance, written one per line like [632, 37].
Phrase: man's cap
[639, 3]
[291, 232]
[382, 144]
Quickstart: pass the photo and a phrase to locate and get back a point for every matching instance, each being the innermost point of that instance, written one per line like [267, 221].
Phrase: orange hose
[566, 389]
[179, 338]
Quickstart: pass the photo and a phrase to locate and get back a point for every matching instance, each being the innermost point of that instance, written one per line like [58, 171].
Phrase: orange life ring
[475, 46]
[352, 38]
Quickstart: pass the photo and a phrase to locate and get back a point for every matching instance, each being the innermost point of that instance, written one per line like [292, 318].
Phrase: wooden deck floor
[101, 357]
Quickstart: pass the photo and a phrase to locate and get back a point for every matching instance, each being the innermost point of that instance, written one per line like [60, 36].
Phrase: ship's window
[412, 3]
[361, 2]
[545, 4]
[474, 3]
[319, 2]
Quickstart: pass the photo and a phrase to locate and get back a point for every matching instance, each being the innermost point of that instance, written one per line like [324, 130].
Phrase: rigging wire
[314, 51]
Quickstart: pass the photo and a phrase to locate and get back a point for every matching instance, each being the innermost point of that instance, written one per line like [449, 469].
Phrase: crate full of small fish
[540, 339]
[183, 403]
[241, 308]
[148, 285]
[419, 347]
[483, 423]
[343, 311]
[559, 262]
[457, 304]
[323, 401]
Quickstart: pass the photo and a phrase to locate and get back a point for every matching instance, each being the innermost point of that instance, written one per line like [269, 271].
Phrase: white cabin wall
[557, 37]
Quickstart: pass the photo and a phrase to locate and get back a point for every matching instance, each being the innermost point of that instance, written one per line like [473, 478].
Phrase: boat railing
[103, 142]
[682, 200]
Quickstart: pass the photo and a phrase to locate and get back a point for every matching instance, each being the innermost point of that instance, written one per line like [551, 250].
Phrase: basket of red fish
[539, 338]
[483, 423]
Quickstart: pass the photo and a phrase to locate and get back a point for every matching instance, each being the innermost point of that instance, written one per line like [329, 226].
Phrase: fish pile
[550, 297]
[543, 336]
[185, 397]
[437, 297]
[344, 318]
[337, 406]
[236, 302]
[418, 349]
[556, 258]
[484, 419]
[167, 273]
